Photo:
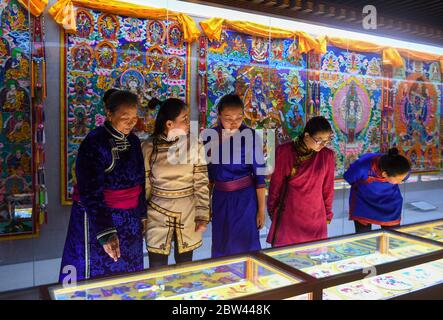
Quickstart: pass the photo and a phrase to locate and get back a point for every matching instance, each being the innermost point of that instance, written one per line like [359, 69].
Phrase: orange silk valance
[63, 13]
[213, 29]
[36, 7]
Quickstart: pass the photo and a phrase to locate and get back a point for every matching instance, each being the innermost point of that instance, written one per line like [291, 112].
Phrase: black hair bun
[393, 152]
[153, 103]
[107, 94]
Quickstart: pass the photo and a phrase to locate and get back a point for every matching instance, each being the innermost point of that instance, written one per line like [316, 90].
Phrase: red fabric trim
[365, 221]
[122, 199]
[375, 167]
[117, 199]
[234, 185]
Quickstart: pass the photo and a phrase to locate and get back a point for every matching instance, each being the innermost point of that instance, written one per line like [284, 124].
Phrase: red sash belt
[117, 199]
[230, 186]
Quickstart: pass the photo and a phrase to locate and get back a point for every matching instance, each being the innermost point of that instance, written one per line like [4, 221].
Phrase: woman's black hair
[170, 109]
[119, 98]
[229, 100]
[108, 94]
[316, 125]
[394, 164]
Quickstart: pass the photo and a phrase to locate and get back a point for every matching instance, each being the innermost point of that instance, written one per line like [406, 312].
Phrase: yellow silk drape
[422, 56]
[390, 56]
[213, 29]
[36, 7]
[63, 13]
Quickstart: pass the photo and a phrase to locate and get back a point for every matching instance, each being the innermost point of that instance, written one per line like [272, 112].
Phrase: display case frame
[305, 286]
[321, 284]
[311, 286]
[419, 225]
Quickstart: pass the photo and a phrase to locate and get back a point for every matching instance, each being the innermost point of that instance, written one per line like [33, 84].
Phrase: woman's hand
[260, 219]
[200, 226]
[261, 195]
[112, 247]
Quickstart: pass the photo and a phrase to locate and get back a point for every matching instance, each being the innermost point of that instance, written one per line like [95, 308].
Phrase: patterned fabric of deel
[92, 218]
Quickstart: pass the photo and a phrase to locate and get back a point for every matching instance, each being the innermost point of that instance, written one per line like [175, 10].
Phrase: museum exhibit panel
[206, 280]
[377, 91]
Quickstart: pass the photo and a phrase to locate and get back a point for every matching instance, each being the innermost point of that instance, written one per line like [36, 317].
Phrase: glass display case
[430, 230]
[390, 285]
[332, 257]
[376, 265]
[203, 280]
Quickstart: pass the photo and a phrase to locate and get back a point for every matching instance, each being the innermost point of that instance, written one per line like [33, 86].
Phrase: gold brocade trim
[165, 248]
[199, 219]
[189, 248]
[200, 170]
[169, 238]
[173, 194]
[174, 223]
[164, 211]
[162, 141]
[166, 251]
[203, 214]
[165, 145]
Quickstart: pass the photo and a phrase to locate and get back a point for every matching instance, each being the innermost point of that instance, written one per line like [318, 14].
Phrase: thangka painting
[351, 98]
[416, 117]
[268, 74]
[147, 57]
[16, 169]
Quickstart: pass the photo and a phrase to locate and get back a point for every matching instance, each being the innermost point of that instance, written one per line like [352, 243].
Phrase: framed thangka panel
[416, 119]
[268, 73]
[147, 57]
[16, 140]
[351, 98]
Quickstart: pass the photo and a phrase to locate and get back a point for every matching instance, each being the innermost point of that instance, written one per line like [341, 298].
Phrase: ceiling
[427, 12]
[411, 20]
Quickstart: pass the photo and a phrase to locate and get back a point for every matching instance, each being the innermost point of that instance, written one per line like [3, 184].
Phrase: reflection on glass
[389, 285]
[432, 230]
[211, 281]
[340, 256]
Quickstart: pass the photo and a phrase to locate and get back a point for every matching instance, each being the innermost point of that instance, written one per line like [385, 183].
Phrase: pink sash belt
[117, 199]
[230, 186]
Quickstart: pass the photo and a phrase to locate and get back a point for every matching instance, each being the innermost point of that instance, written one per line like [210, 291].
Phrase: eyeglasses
[232, 120]
[322, 142]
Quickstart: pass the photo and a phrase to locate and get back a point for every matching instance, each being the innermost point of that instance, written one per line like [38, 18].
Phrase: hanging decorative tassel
[43, 80]
[202, 81]
[32, 79]
[38, 89]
